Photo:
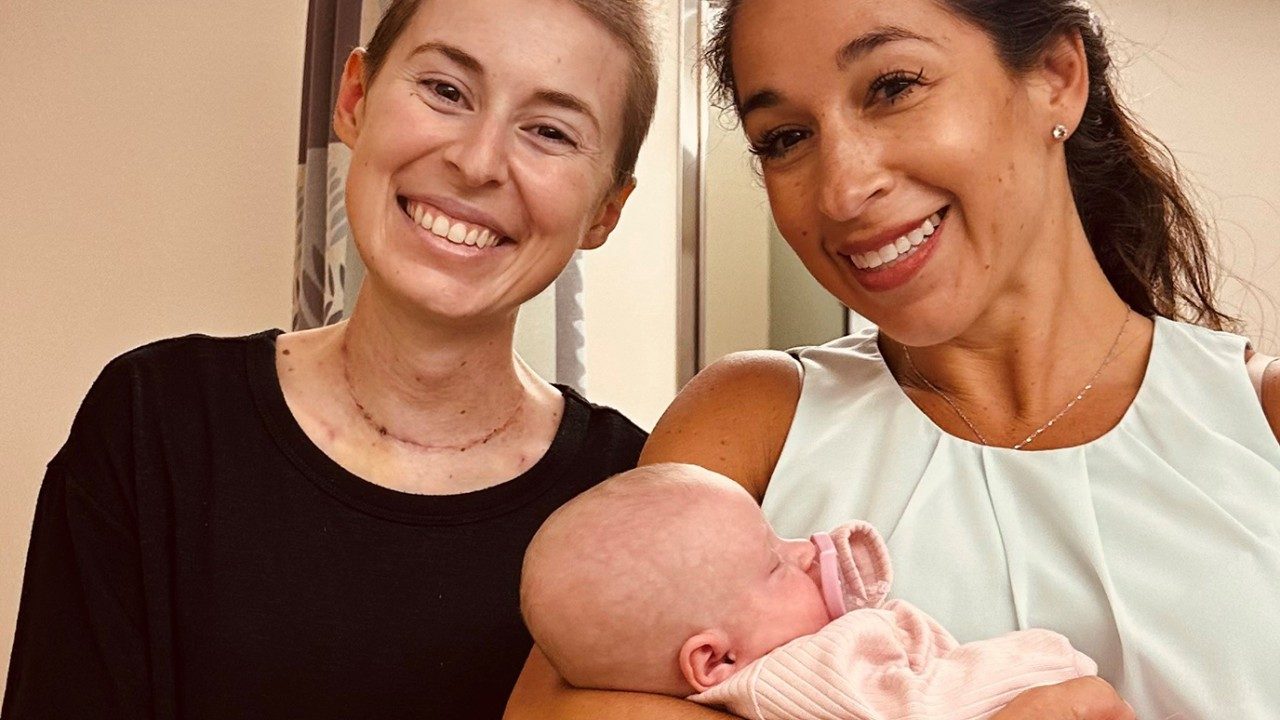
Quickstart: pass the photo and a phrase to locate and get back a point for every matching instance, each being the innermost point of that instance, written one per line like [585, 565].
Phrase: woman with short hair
[330, 524]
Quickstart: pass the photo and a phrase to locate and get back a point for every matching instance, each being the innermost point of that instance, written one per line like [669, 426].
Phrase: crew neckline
[396, 505]
[872, 339]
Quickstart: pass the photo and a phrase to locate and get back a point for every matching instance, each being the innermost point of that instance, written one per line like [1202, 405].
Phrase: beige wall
[148, 153]
[630, 283]
[1203, 77]
[736, 262]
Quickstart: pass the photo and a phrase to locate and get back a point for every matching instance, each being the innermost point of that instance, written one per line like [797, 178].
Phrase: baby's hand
[1086, 698]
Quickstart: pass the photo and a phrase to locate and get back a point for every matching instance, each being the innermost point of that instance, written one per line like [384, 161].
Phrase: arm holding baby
[541, 693]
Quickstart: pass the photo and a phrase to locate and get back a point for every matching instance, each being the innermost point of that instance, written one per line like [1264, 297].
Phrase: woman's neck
[1041, 339]
[432, 382]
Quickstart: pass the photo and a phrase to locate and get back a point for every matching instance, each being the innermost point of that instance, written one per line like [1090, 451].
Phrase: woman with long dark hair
[1051, 425]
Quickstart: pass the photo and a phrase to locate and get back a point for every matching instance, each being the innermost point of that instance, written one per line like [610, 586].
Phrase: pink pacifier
[829, 570]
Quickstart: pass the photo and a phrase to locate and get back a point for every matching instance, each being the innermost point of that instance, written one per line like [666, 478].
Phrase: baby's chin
[770, 638]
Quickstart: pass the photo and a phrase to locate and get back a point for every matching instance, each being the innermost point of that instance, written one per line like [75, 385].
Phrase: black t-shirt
[195, 555]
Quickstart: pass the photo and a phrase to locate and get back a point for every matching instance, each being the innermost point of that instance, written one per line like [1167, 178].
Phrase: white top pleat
[1155, 549]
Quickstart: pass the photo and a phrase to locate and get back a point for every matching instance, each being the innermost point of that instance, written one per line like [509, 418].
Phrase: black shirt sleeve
[79, 650]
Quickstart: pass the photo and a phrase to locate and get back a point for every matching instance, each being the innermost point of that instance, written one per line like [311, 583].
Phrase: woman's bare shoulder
[1264, 371]
[733, 418]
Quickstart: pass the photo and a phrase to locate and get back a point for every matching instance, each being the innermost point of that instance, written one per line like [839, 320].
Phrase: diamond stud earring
[1060, 132]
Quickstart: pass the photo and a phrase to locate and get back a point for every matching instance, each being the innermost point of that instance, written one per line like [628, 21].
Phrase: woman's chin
[930, 321]
[465, 313]
[436, 298]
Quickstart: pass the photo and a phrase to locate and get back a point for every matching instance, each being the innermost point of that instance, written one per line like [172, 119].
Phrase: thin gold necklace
[384, 431]
[1111, 355]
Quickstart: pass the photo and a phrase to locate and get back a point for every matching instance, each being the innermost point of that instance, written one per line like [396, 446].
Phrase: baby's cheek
[813, 616]
[820, 616]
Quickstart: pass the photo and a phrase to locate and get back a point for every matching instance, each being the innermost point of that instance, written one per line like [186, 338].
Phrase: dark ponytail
[1143, 227]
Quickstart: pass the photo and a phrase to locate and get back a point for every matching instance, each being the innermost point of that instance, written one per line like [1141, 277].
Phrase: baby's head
[665, 579]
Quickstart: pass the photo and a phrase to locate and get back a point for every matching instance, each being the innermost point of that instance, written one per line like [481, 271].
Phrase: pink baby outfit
[888, 660]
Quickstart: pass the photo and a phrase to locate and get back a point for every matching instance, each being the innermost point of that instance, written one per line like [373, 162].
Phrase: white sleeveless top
[1155, 548]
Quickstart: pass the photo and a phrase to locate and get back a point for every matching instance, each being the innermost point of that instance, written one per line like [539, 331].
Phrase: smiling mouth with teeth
[455, 231]
[904, 247]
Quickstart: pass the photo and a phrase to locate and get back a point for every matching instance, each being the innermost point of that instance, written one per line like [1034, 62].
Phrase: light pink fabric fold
[891, 661]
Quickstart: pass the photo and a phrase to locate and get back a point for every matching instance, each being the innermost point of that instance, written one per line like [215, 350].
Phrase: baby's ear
[706, 660]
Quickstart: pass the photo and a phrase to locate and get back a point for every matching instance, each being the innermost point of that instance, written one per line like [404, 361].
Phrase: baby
[668, 579]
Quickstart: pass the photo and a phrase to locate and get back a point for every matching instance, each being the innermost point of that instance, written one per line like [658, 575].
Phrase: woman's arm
[540, 694]
[1086, 698]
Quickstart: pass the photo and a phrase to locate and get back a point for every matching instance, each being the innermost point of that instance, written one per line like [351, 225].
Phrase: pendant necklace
[1111, 355]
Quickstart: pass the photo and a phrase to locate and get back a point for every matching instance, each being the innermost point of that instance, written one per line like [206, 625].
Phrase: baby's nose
[802, 553]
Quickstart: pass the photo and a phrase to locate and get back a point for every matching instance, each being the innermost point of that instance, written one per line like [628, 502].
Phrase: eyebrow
[558, 98]
[758, 101]
[854, 50]
[569, 102]
[863, 44]
[456, 54]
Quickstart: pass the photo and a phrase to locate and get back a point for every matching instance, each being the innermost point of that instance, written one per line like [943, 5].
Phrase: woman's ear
[348, 111]
[608, 216]
[706, 660]
[1064, 81]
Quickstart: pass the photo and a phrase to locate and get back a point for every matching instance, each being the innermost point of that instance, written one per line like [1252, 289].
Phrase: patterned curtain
[327, 270]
